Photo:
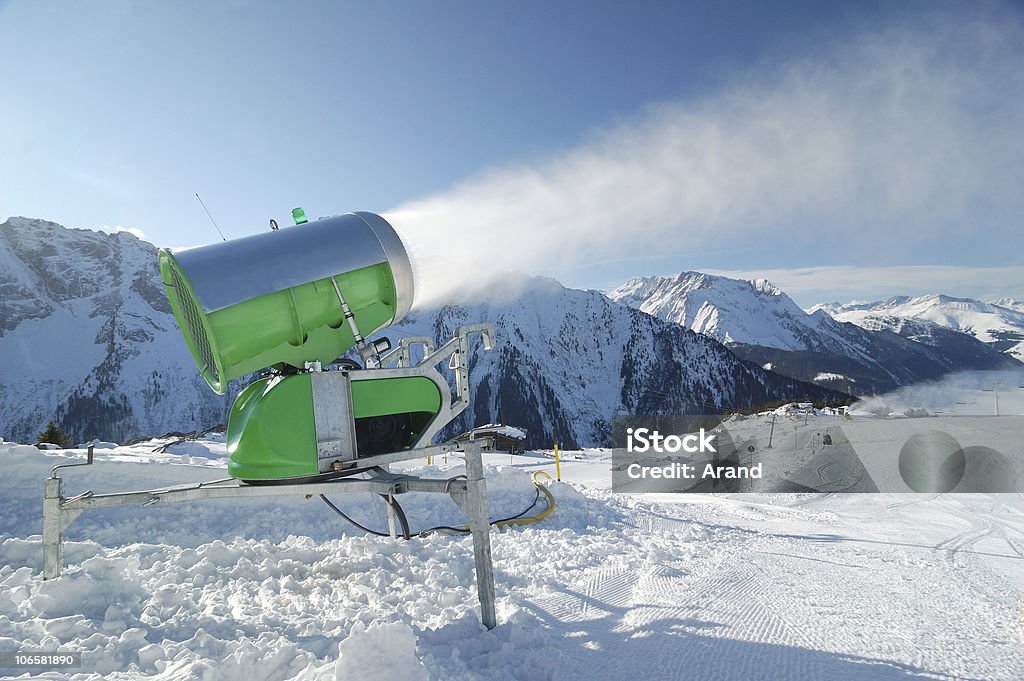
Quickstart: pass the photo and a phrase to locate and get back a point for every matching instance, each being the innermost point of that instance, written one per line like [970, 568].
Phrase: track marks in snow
[602, 594]
[732, 588]
[963, 540]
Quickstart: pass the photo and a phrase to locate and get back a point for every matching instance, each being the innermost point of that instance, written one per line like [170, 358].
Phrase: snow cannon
[279, 298]
[299, 305]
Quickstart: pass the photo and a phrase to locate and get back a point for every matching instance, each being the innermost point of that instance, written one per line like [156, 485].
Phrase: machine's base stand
[470, 495]
[475, 508]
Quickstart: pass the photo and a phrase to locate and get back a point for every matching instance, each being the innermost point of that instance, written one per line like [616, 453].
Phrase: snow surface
[498, 429]
[610, 586]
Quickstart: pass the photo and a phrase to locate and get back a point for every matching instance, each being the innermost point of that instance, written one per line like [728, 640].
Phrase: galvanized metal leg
[479, 525]
[53, 530]
[392, 529]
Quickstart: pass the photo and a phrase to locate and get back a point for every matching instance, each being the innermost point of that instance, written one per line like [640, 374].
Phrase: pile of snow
[499, 429]
[829, 376]
[98, 444]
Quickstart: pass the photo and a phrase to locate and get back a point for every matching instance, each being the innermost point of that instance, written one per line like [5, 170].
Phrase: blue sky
[457, 114]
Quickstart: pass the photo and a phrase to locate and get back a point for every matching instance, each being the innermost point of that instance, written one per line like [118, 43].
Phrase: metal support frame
[333, 411]
[470, 495]
[475, 508]
[398, 364]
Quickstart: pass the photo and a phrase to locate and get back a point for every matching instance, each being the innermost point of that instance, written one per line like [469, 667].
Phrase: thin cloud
[135, 231]
[810, 285]
[895, 146]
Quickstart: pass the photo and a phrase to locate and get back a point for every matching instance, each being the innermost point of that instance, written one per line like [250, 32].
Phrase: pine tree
[54, 435]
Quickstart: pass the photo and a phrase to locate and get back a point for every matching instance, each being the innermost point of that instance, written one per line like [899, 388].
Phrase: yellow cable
[531, 519]
[540, 516]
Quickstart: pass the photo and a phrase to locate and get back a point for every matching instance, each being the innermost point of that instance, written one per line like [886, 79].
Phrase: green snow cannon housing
[296, 300]
[274, 299]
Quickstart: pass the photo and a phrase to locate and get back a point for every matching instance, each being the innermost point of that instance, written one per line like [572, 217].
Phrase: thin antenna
[211, 217]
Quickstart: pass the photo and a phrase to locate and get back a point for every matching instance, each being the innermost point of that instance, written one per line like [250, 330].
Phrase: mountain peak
[762, 324]
[84, 342]
[1008, 303]
[730, 310]
[22, 222]
[765, 286]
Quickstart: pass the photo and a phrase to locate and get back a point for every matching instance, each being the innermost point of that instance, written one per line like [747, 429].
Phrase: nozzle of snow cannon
[299, 216]
[281, 299]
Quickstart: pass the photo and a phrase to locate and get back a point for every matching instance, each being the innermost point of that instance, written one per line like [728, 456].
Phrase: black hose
[463, 530]
[397, 508]
[404, 521]
[536, 498]
[346, 517]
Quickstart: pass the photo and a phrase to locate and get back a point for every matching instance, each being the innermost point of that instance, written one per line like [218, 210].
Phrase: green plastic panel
[271, 433]
[394, 396]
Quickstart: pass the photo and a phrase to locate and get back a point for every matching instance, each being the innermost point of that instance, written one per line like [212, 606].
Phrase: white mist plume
[893, 139]
[967, 393]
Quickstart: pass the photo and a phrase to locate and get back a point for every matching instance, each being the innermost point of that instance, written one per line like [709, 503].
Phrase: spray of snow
[967, 393]
[858, 140]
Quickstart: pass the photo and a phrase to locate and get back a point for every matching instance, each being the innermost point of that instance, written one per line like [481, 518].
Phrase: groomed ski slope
[611, 586]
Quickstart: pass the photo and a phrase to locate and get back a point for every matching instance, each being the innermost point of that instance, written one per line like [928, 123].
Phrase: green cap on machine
[299, 216]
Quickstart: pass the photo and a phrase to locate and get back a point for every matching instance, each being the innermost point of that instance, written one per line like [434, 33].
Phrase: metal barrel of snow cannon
[278, 297]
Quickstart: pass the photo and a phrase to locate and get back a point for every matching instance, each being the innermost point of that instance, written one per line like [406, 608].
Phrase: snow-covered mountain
[732, 311]
[999, 323]
[574, 359]
[762, 324]
[87, 338]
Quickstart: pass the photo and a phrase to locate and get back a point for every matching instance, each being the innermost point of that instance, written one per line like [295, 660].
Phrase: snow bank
[98, 444]
[385, 651]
